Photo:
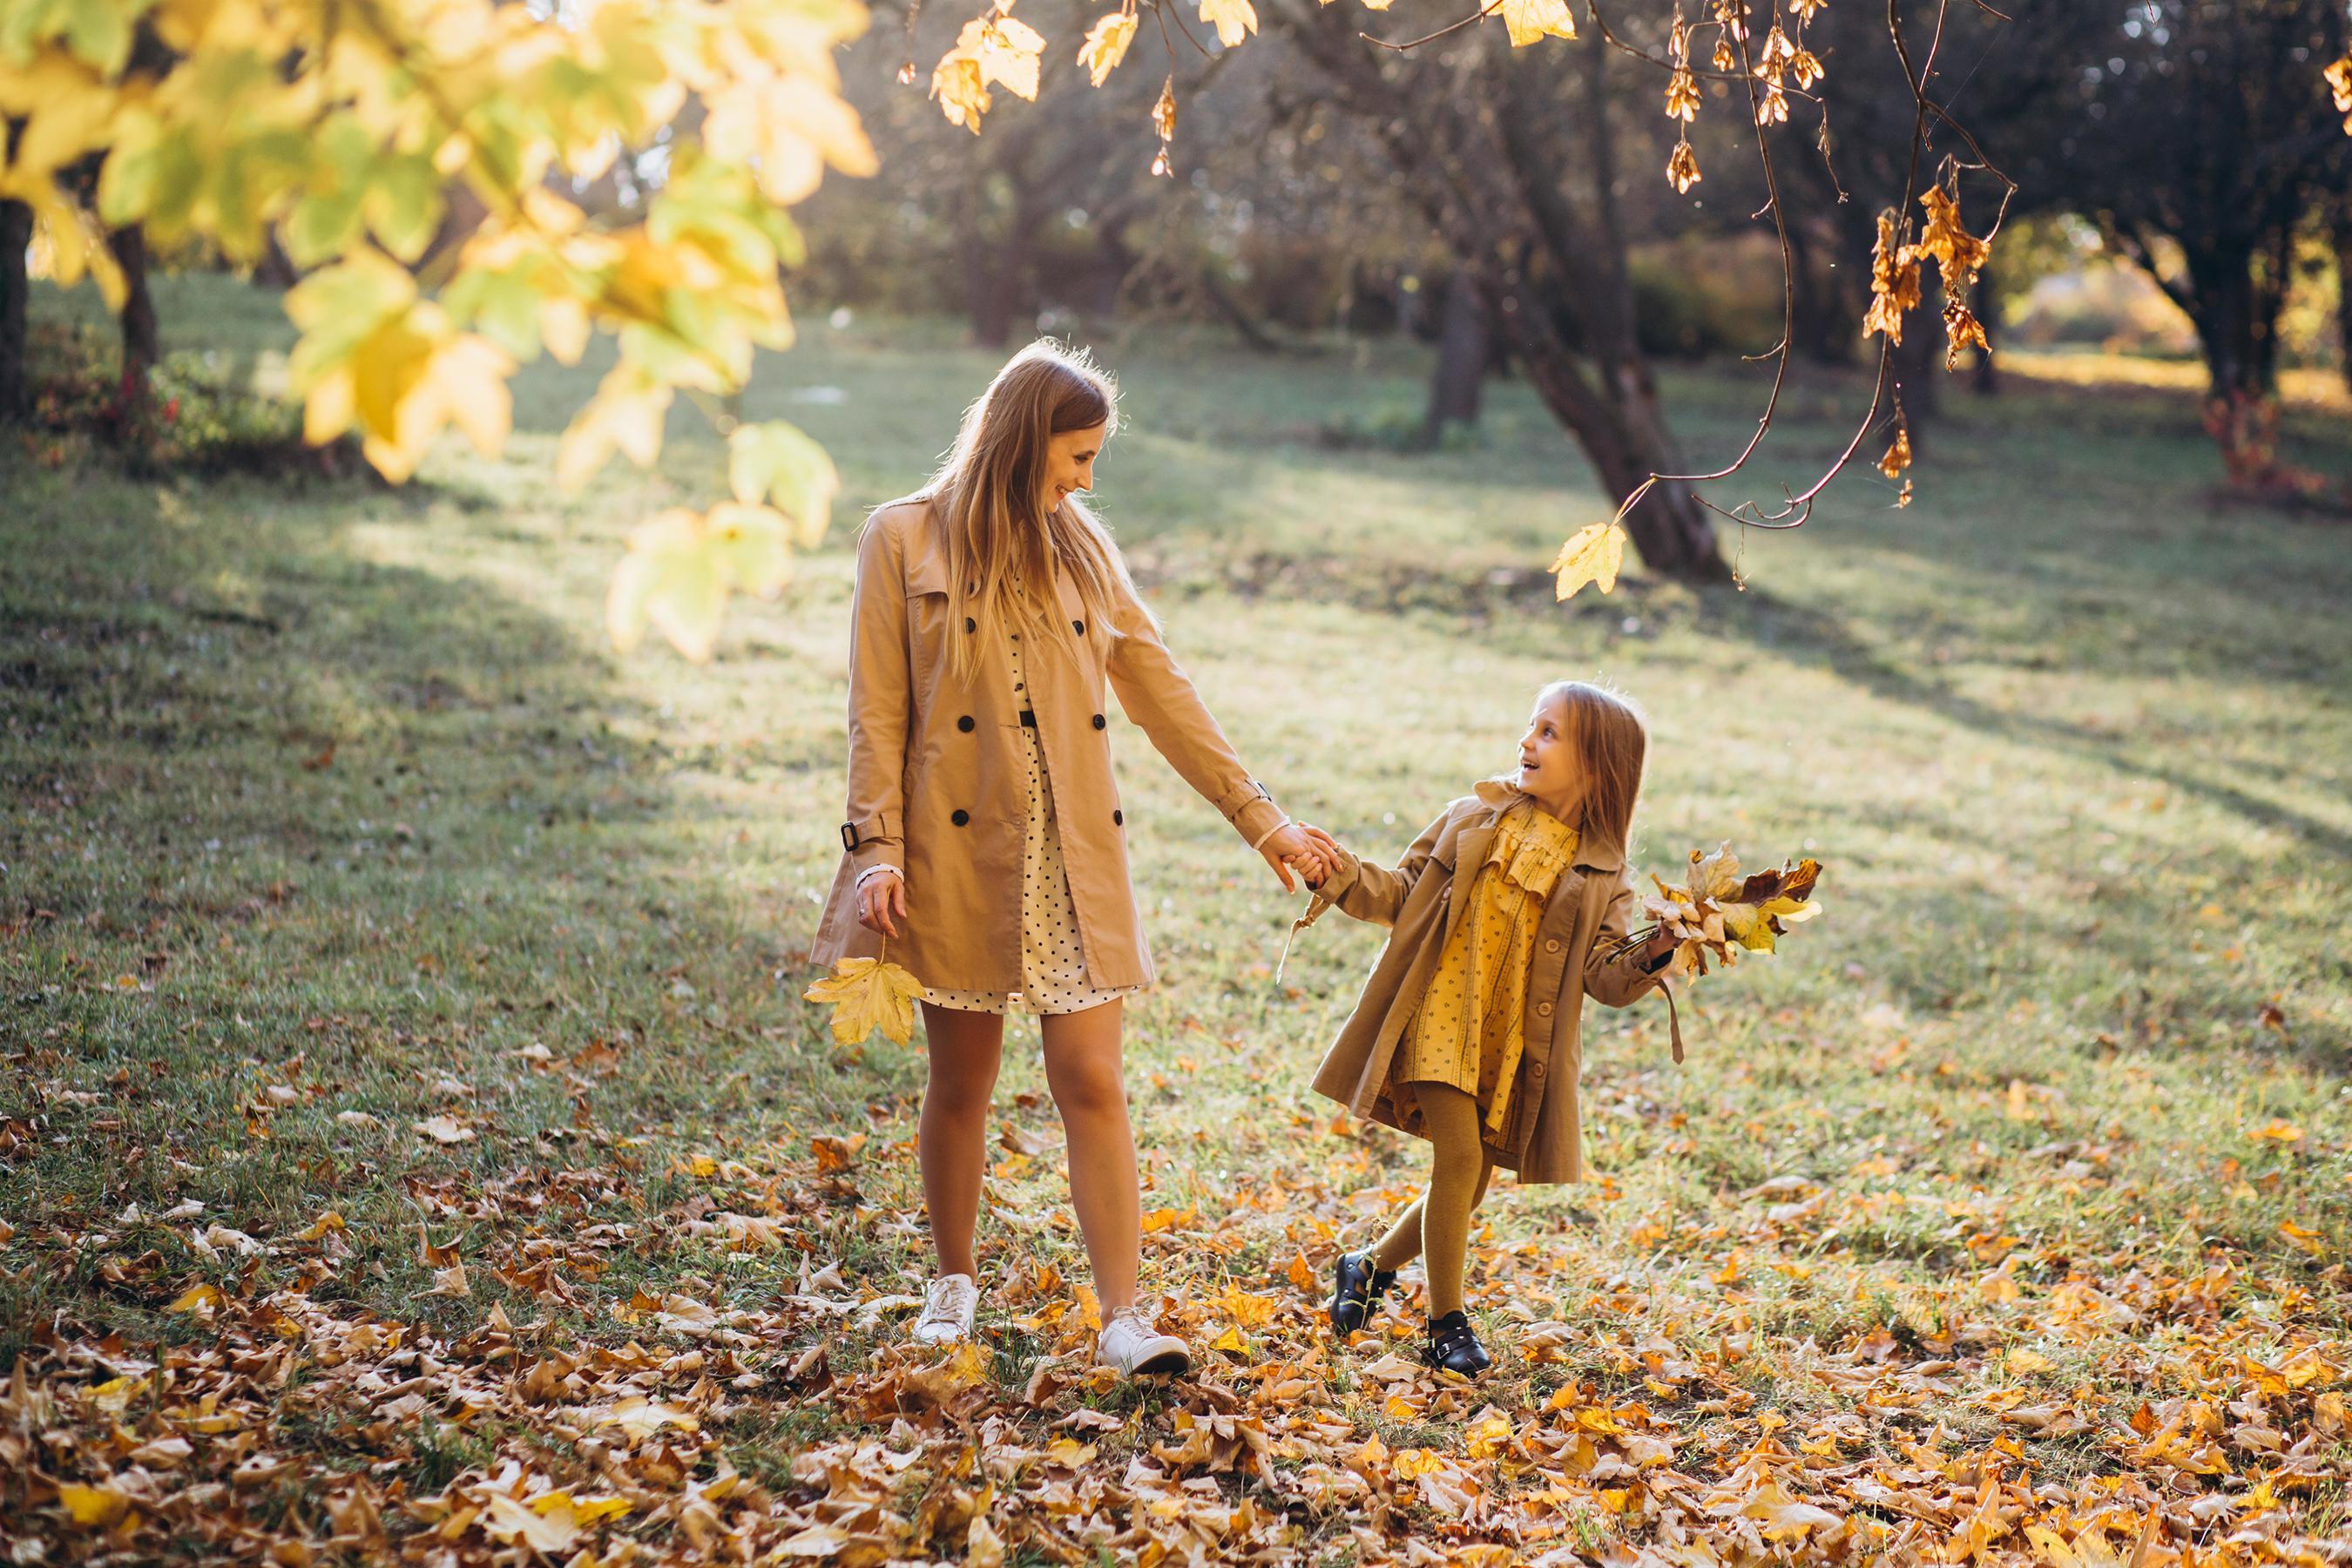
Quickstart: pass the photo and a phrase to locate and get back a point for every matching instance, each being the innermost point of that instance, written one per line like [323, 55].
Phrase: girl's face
[1070, 463]
[1548, 763]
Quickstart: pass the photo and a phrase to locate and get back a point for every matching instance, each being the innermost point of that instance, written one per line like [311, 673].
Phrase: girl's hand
[1288, 844]
[1323, 854]
[881, 897]
[1657, 950]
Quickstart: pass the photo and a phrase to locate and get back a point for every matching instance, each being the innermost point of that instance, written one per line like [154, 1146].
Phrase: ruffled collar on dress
[1531, 849]
[1592, 853]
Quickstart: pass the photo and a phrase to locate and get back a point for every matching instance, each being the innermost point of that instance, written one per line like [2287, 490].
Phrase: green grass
[325, 804]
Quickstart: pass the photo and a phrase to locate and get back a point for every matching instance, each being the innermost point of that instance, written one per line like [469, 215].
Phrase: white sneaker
[948, 1303]
[1134, 1346]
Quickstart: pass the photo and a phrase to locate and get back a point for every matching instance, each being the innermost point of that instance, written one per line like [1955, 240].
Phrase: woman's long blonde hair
[1612, 741]
[984, 501]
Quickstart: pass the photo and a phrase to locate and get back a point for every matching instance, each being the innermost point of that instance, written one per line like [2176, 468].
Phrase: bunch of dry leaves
[1716, 911]
[709, 1378]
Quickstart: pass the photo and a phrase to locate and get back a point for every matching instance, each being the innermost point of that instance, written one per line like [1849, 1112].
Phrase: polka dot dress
[1052, 959]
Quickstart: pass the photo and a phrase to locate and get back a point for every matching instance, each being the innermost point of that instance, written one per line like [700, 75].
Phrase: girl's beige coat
[1586, 914]
[938, 786]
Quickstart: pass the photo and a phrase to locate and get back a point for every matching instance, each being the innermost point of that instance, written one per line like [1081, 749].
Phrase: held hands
[882, 902]
[1291, 849]
[1306, 849]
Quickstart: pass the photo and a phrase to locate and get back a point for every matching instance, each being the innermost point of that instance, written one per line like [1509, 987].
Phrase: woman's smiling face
[1070, 464]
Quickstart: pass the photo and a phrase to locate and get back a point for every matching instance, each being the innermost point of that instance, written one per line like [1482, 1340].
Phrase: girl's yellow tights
[1436, 1225]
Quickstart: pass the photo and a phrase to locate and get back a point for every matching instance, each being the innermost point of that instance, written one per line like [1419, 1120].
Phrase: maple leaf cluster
[1716, 911]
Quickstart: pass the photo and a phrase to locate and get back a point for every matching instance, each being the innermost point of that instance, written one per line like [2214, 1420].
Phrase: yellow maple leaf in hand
[867, 994]
[1590, 556]
[1752, 925]
[1528, 20]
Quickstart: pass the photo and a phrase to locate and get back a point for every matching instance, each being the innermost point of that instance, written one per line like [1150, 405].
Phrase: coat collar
[1499, 794]
[927, 562]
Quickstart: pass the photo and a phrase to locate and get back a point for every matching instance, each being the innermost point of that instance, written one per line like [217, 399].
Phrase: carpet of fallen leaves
[1644, 1409]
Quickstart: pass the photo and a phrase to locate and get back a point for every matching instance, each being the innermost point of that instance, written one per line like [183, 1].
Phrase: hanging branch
[1796, 506]
[1471, 20]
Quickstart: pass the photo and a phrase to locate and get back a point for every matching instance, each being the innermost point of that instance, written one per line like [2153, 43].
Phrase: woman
[985, 841]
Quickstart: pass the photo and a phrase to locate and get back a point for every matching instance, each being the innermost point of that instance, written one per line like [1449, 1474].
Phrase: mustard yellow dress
[1471, 1029]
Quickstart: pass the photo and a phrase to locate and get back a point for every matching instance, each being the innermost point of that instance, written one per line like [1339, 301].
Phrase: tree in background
[2208, 149]
[333, 132]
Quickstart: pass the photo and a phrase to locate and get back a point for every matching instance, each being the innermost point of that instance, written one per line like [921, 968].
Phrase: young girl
[1503, 912]
[984, 838]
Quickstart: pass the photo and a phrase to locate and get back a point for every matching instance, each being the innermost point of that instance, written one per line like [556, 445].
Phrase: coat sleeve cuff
[1338, 884]
[1257, 820]
[871, 841]
[1236, 800]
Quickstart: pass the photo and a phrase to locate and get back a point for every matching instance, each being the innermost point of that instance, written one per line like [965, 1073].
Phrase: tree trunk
[1627, 438]
[2344, 289]
[1236, 315]
[276, 269]
[2236, 322]
[139, 350]
[1486, 169]
[997, 271]
[1464, 352]
[15, 235]
[2236, 316]
[996, 291]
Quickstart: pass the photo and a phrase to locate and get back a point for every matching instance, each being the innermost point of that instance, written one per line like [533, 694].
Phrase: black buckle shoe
[1453, 1346]
[1356, 1288]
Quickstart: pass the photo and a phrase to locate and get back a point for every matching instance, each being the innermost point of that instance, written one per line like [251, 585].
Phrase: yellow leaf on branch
[1237, 19]
[1008, 53]
[990, 50]
[866, 994]
[625, 413]
[776, 462]
[682, 565]
[1530, 20]
[1106, 45]
[964, 96]
[1592, 555]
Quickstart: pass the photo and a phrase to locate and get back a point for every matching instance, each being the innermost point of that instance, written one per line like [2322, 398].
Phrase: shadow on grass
[298, 836]
[1809, 635]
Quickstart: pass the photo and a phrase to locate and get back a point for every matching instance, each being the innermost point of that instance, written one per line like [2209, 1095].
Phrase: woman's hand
[1290, 843]
[880, 897]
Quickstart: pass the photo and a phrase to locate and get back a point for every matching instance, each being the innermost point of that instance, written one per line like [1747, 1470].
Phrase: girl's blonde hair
[1612, 741]
[984, 501]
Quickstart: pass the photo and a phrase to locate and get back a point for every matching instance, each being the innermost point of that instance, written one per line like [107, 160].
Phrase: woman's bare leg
[1084, 1068]
[965, 1049]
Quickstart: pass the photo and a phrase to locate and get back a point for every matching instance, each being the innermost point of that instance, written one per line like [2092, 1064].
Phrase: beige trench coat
[938, 781]
[1586, 914]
